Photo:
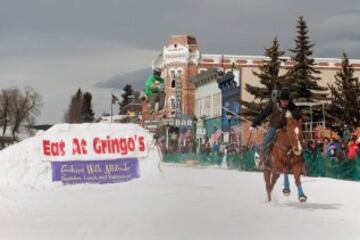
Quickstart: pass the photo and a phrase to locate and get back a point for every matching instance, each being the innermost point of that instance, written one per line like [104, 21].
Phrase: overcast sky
[56, 46]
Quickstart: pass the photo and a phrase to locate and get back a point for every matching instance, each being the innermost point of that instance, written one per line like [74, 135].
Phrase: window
[197, 107]
[217, 104]
[172, 102]
[172, 74]
[175, 73]
[207, 106]
[201, 112]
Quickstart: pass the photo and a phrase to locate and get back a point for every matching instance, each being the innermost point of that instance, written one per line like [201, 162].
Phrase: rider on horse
[277, 113]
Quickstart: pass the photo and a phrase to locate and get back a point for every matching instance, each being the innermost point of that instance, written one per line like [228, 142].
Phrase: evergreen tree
[87, 112]
[74, 113]
[302, 82]
[345, 98]
[269, 78]
[127, 97]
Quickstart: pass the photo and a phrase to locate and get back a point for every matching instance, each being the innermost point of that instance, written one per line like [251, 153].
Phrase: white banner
[67, 142]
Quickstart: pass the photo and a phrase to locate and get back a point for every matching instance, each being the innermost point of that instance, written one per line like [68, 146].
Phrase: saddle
[273, 141]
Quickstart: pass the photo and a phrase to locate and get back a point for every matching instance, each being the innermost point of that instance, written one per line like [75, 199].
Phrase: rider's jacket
[277, 115]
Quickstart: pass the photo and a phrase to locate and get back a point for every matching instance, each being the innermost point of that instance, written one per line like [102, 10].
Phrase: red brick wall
[182, 39]
[190, 96]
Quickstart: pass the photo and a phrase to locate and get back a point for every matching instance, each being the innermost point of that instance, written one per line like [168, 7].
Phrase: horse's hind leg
[286, 189]
[267, 178]
[297, 174]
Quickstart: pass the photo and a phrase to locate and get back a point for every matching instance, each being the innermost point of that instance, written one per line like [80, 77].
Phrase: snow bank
[24, 164]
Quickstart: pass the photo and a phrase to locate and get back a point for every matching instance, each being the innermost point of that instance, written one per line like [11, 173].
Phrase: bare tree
[24, 108]
[4, 109]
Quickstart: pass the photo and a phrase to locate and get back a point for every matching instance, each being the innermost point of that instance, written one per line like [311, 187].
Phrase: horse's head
[294, 132]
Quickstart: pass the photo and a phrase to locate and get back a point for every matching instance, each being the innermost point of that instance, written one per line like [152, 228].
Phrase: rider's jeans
[269, 136]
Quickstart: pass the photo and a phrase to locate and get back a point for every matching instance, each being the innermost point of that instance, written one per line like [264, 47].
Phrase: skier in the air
[155, 91]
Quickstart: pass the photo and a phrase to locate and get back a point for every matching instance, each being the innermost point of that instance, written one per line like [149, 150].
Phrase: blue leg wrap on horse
[286, 181]
[300, 191]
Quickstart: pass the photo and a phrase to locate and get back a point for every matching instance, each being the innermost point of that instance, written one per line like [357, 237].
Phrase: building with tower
[181, 60]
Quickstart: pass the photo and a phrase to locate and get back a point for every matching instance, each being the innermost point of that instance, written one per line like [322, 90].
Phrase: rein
[282, 146]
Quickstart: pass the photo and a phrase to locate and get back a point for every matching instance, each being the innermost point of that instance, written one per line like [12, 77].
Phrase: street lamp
[194, 122]
[167, 136]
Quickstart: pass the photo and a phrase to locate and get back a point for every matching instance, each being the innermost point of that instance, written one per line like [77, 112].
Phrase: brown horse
[285, 157]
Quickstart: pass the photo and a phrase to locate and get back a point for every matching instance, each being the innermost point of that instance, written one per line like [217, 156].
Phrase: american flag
[184, 135]
[215, 136]
[181, 136]
[235, 138]
[187, 133]
[114, 99]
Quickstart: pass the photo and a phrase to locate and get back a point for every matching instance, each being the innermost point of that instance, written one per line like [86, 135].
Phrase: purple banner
[102, 171]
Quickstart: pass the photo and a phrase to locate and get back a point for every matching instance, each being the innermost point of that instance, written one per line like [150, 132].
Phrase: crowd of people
[191, 146]
[219, 149]
[346, 147]
[336, 149]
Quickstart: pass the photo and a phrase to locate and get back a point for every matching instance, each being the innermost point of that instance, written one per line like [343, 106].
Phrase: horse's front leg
[267, 178]
[274, 178]
[297, 174]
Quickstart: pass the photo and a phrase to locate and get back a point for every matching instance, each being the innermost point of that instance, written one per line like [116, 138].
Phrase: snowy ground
[182, 203]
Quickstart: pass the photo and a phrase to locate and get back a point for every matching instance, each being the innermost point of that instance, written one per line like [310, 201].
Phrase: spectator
[207, 147]
[332, 149]
[312, 147]
[232, 150]
[319, 144]
[358, 143]
[221, 150]
[215, 149]
[326, 143]
[353, 149]
[341, 154]
[224, 163]
[346, 133]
